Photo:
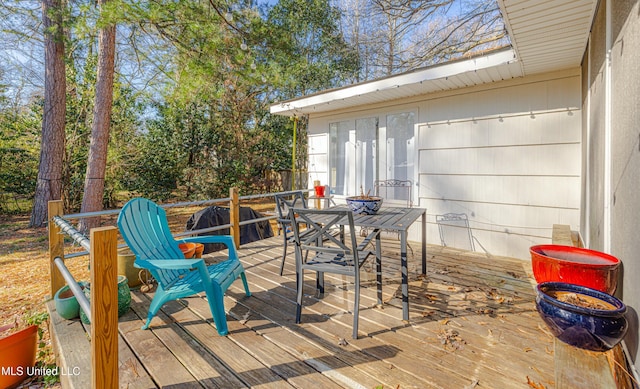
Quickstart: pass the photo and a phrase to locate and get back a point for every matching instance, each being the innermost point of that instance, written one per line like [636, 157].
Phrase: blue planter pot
[582, 317]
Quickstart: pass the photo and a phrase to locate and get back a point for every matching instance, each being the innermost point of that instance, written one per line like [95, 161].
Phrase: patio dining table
[399, 220]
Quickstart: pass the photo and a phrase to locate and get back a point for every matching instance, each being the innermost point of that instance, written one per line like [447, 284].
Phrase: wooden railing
[103, 244]
[102, 248]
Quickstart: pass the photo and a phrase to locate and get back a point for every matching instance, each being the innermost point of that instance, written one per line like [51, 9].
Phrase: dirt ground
[25, 272]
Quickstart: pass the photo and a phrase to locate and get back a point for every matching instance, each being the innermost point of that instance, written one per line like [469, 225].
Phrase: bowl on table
[367, 205]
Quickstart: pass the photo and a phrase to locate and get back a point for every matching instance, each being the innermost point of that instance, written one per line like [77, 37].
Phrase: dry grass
[25, 270]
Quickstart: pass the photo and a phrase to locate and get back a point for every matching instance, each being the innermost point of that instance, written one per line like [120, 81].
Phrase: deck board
[472, 324]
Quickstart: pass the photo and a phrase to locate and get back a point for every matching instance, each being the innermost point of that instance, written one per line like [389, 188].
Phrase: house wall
[506, 154]
[614, 165]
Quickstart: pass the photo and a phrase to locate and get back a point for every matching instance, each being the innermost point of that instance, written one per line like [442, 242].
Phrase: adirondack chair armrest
[168, 264]
[223, 239]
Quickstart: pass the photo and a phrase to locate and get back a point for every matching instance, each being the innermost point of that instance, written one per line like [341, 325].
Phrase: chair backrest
[319, 234]
[455, 231]
[144, 227]
[284, 202]
[394, 190]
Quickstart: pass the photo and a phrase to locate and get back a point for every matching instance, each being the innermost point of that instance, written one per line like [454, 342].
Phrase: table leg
[405, 275]
[379, 269]
[424, 243]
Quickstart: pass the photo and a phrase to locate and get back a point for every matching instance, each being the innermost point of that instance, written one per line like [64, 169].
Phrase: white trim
[426, 75]
[587, 182]
[607, 134]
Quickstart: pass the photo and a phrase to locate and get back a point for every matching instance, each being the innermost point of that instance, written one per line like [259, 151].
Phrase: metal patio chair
[319, 250]
[143, 225]
[395, 190]
[284, 202]
[455, 231]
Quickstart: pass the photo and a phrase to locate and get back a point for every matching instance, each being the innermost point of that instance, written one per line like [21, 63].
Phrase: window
[338, 156]
[361, 152]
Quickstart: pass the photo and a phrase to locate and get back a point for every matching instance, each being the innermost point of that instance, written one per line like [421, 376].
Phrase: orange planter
[188, 249]
[199, 250]
[17, 356]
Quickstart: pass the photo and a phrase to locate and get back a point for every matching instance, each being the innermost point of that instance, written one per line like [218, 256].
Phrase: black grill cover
[217, 216]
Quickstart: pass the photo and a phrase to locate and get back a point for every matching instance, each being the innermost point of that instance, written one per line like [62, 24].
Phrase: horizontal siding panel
[501, 228]
[554, 192]
[535, 160]
[557, 94]
[549, 128]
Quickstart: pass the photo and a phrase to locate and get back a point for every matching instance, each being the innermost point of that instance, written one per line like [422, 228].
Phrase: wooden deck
[472, 324]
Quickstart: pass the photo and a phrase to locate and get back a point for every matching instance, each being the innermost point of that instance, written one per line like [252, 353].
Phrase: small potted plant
[364, 204]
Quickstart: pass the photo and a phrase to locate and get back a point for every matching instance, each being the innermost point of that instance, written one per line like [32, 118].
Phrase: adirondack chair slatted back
[148, 236]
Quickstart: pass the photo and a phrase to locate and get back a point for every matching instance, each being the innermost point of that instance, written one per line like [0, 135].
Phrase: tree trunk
[97, 161]
[49, 184]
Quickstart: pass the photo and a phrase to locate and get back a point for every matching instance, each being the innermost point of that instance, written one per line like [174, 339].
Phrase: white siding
[506, 154]
[507, 157]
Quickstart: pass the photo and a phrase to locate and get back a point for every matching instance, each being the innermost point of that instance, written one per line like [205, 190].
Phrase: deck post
[56, 246]
[234, 213]
[104, 307]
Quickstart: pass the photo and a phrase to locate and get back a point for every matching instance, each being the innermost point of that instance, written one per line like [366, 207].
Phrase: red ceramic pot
[574, 265]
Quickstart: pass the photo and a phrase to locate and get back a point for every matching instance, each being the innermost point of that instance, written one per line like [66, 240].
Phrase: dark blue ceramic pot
[581, 316]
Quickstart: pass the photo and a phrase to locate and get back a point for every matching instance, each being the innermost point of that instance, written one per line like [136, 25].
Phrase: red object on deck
[575, 265]
[319, 190]
[17, 356]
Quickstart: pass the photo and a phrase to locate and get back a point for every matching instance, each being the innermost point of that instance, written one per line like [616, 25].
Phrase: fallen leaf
[534, 385]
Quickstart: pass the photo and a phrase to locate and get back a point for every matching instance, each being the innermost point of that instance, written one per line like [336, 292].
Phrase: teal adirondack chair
[143, 225]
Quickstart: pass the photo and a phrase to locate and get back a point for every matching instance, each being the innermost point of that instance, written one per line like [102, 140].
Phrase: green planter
[66, 303]
[124, 298]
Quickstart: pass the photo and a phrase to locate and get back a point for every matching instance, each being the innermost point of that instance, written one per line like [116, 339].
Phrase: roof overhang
[545, 36]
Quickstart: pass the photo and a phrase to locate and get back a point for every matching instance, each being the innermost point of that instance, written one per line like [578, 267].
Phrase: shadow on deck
[472, 323]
